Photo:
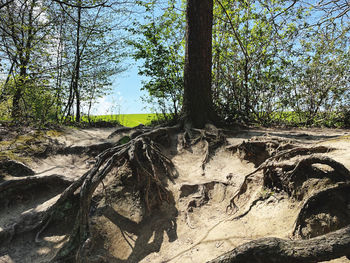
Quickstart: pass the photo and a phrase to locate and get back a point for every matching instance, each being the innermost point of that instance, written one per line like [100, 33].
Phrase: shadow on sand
[149, 231]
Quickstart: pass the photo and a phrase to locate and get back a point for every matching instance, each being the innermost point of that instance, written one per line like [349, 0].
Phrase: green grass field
[132, 120]
[128, 120]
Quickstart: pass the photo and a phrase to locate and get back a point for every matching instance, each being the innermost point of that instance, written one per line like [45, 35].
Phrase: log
[275, 250]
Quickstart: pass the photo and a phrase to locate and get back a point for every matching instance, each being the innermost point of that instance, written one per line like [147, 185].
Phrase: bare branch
[6, 3]
[81, 6]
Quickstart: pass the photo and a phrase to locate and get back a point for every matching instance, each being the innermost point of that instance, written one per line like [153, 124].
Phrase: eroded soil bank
[203, 217]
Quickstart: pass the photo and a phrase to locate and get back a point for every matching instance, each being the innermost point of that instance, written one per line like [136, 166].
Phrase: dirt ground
[196, 226]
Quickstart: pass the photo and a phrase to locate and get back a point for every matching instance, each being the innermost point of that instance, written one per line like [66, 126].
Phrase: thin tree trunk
[77, 67]
[90, 103]
[24, 58]
[59, 62]
[4, 91]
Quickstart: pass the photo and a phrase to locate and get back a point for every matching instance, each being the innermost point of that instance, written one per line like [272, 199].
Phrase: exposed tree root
[149, 165]
[139, 151]
[260, 198]
[15, 168]
[212, 138]
[32, 219]
[301, 151]
[275, 250]
[151, 170]
[258, 151]
[275, 172]
[31, 181]
[290, 178]
[325, 211]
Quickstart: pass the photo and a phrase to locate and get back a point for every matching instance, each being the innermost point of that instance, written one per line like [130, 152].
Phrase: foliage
[249, 58]
[159, 43]
[319, 84]
[278, 62]
[56, 56]
[270, 65]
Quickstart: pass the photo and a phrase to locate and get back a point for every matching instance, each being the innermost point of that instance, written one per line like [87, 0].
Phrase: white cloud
[107, 105]
[103, 107]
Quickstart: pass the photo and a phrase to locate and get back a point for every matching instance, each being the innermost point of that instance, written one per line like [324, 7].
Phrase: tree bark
[269, 250]
[77, 67]
[197, 105]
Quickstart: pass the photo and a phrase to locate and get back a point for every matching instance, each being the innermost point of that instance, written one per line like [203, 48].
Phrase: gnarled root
[325, 211]
[286, 177]
[148, 164]
[290, 177]
[212, 138]
[20, 191]
[267, 250]
[259, 151]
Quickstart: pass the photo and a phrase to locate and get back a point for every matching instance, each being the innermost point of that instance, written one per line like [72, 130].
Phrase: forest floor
[198, 226]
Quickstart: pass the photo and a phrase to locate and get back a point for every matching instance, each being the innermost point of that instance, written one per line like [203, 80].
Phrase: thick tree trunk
[271, 250]
[197, 105]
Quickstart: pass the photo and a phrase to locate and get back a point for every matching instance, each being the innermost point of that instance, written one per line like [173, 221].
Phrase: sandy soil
[213, 232]
[192, 230]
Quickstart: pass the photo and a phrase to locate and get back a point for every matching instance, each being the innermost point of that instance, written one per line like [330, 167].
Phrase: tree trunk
[16, 109]
[197, 105]
[16, 112]
[24, 54]
[77, 67]
[269, 250]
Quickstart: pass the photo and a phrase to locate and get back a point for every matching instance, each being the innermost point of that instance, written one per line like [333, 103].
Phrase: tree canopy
[273, 62]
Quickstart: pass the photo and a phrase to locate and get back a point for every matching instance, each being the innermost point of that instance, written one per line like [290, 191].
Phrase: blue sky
[125, 97]
[126, 94]
[127, 91]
